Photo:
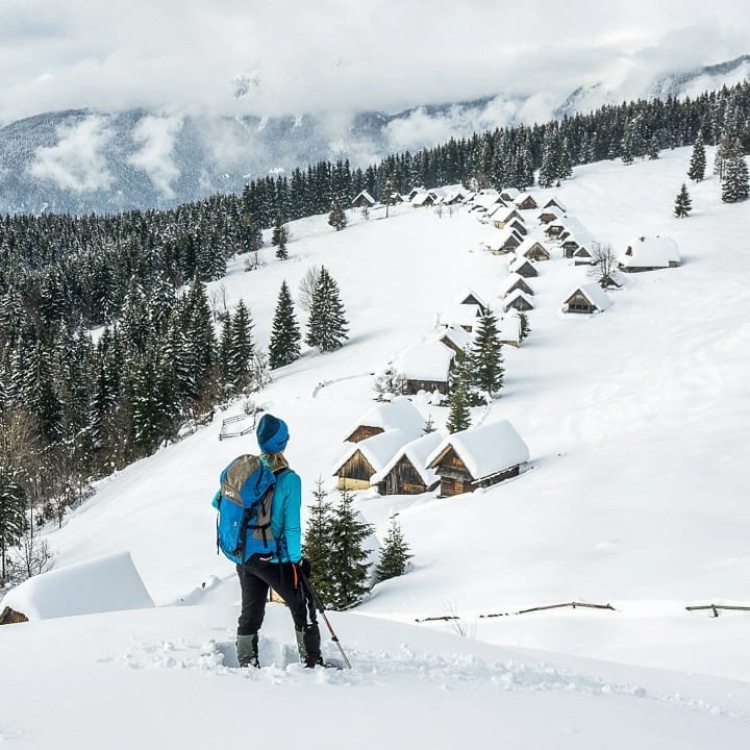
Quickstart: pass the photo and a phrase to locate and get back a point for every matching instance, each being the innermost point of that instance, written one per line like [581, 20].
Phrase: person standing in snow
[284, 572]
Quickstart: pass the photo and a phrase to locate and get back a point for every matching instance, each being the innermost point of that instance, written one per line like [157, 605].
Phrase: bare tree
[604, 262]
[219, 304]
[307, 286]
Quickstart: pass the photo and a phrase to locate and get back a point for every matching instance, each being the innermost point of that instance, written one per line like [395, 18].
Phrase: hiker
[283, 571]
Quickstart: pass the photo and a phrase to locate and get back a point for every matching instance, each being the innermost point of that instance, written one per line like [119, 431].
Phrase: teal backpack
[243, 526]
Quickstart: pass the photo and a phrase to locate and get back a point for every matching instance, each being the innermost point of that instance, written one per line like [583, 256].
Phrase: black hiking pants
[283, 578]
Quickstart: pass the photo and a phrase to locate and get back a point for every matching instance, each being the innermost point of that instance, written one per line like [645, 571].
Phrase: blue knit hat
[272, 434]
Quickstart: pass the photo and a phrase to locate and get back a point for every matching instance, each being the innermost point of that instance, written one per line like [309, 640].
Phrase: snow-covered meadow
[637, 423]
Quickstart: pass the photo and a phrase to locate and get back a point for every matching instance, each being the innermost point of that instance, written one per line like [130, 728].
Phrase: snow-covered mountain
[83, 160]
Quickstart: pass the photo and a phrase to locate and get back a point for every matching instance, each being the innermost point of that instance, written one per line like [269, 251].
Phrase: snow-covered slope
[636, 421]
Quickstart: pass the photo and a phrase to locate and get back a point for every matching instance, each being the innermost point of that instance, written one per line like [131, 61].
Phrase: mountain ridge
[85, 160]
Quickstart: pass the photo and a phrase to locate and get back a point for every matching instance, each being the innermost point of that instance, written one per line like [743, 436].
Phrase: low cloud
[284, 57]
[76, 162]
[155, 136]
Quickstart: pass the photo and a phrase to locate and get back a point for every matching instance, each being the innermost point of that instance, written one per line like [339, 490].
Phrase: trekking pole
[319, 606]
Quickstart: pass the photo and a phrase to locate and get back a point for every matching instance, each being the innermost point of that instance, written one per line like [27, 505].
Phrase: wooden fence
[230, 427]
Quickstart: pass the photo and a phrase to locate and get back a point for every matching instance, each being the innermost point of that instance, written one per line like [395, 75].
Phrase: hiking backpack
[243, 527]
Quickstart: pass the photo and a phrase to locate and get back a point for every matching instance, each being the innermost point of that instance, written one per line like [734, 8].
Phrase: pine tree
[697, 169]
[337, 217]
[394, 555]
[327, 327]
[284, 346]
[12, 515]
[683, 205]
[487, 351]
[280, 237]
[318, 544]
[388, 196]
[459, 416]
[348, 558]
[525, 329]
[735, 186]
[242, 348]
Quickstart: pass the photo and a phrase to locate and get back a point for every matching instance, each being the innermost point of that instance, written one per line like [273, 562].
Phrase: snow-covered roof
[417, 451]
[485, 450]
[519, 262]
[461, 314]
[364, 194]
[554, 201]
[510, 193]
[529, 243]
[459, 336]
[399, 413]
[466, 294]
[429, 361]
[513, 296]
[377, 450]
[523, 197]
[420, 199]
[649, 252]
[594, 294]
[504, 214]
[509, 327]
[104, 584]
[511, 281]
[487, 200]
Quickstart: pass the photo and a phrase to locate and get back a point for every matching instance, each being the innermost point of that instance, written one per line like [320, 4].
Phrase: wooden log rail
[572, 605]
[716, 607]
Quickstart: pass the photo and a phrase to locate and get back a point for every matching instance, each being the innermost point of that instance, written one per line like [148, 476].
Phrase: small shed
[504, 241]
[583, 256]
[503, 215]
[399, 413]
[363, 200]
[587, 299]
[516, 281]
[613, 280]
[517, 301]
[453, 336]
[487, 201]
[357, 466]
[524, 267]
[510, 194]
[426, 367]
[649, 254]
[465, 315]
[423, 199]
[509, 329]
[407, 473]
[470, 297]
[548, 215]
[478, 457]
[525, 201]
[555, 202]
[533, 249]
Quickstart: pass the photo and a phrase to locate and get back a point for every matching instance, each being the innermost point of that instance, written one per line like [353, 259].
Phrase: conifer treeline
[71, 406]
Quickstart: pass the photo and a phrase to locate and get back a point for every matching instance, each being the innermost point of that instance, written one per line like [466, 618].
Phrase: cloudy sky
[286, 56]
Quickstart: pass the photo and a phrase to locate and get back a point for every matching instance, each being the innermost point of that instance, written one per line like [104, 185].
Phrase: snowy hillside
[636, 421]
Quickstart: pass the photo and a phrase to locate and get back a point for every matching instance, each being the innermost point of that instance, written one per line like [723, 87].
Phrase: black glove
[304, 566]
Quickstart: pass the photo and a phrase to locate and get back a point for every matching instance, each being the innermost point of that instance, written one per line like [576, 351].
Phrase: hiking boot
[310, 638]
[247, 650]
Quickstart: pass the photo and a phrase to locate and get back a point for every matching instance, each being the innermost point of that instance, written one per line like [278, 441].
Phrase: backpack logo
[243, 527]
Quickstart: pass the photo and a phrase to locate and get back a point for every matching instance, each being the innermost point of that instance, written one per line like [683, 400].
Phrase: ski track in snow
[456, 672]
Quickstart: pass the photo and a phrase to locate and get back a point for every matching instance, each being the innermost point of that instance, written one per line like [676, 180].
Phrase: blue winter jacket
[286, 511]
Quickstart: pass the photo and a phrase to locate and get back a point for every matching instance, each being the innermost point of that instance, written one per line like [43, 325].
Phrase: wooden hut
[504, 241]
[525, 202]
[356, 468]
[587, 299]
[407, 473]
[478, 457]
[649, 254]
[524, 267]
[426, 367]
[517, 301]
[533, 249]
[363, 200]
[503, 215]
[399, 414]
[516, 281]
[453, 336]
[470, 297]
